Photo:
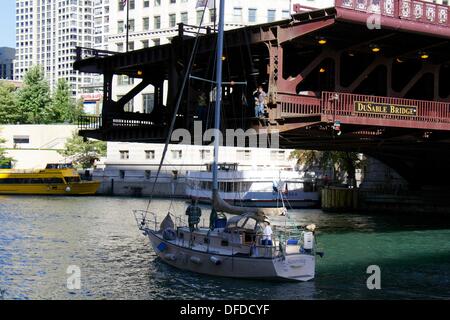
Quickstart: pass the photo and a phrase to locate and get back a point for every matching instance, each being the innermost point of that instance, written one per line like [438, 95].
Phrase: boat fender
[170, 256]
[68, 189]
[215, 260]
[308, 240]
[195, 260]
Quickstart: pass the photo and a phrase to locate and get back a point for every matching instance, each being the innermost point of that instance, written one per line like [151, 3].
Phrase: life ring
[68, 189]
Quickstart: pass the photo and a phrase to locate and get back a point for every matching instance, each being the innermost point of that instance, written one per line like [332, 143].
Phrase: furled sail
[222, 206]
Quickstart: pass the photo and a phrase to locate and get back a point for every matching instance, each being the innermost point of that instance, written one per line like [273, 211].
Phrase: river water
[40, 237]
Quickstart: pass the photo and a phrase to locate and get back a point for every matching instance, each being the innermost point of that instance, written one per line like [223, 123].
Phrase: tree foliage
[33, 100]
[83, 153]
[338, 162]
[5, 161]
[63, 107]
[34, 104]
[8, 108]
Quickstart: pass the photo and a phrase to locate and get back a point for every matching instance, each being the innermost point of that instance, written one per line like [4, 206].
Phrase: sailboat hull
[294, 267]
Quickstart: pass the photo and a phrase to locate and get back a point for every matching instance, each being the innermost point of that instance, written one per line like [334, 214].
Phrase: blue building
[7, 56]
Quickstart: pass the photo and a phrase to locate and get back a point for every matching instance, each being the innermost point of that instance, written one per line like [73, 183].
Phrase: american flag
[205, 3]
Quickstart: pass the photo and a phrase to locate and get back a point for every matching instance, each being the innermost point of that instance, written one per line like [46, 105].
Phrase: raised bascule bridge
[371, 76]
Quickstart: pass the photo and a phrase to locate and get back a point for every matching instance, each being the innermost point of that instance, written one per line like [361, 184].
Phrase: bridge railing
[296, 105]
[417, 10]
[344, 104]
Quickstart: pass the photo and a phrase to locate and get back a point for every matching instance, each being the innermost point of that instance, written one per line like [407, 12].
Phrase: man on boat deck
[267, 235]
[194, 213]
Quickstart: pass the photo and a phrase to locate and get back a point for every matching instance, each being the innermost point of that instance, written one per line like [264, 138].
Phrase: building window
[237, 15]
[148, 174]
[131, 46]
[146, 3]
[132, 4]
[277, 155]
[131, 25]
[121, 5]
[251, 15]
[21, 139]
[244, 155]
[156, 42]
[172, 20]
[212, 15]
[199, 17]
[120, 27]
[184, 17]
[157, 22]
[145, 43]
[157, 3]
[148, 102]
[173, 1]
[271, 15]
[145, 24]
[285, 14]
[119, 47]
[124, 154]
[177, 154]
[150, 154]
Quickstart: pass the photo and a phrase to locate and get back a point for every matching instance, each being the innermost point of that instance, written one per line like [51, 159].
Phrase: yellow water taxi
[55, 179]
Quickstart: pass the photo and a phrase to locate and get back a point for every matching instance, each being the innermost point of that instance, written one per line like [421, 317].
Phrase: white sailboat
[242, 246]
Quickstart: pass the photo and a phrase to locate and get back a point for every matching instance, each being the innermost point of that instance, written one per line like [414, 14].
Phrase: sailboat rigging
[243, 246]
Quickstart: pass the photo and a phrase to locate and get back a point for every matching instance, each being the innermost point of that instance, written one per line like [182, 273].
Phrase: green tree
[5, 161]
[339, 162]
[8, 108]
[63, 107]
[33, 100]
[83, 153]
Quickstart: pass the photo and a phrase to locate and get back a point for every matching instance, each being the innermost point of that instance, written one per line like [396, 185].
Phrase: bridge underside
[333, 84]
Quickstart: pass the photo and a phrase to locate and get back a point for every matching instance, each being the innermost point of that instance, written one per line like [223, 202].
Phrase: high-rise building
[155, 22]
[47, 32]
[7, 63]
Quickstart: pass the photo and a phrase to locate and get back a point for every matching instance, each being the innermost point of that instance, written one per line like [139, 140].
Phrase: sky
[8, 23]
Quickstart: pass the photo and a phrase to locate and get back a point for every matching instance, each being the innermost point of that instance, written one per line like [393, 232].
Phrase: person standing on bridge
[260, 97]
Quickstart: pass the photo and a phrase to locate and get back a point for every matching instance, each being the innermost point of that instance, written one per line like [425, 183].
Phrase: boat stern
[295, 267]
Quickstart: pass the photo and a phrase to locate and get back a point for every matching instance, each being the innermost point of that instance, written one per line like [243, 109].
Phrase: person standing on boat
[267, 235]
[194, 213]
[260, 97]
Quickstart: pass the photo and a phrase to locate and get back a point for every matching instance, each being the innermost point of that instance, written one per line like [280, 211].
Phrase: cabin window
[72, 179]
[277, 155]
[149, 154]
[206, 240]
[224, 243]
[148, 174]
[21, 139]
[177, 154]
[122, 174]
[244, 155]
[124, 155]
[205, 154]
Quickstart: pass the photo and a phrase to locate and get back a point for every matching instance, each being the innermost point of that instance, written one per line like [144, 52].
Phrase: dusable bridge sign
[384, 108]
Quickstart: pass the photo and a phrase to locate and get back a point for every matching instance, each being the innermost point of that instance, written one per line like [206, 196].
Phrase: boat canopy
[248, 221]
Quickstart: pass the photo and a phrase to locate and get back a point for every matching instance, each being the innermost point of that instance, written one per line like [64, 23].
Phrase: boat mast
[217, 109]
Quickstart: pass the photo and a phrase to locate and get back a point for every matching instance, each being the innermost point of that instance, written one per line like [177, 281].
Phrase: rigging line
[177, 106]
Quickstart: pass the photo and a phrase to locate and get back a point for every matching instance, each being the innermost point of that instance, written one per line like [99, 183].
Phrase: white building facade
[47, 32]
[34, 146]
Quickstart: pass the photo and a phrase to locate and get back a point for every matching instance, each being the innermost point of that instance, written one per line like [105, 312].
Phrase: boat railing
[149, 220]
